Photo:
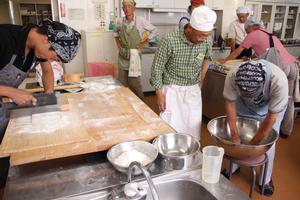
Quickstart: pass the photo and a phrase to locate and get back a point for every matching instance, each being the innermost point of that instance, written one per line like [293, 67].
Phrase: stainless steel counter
[80, 176]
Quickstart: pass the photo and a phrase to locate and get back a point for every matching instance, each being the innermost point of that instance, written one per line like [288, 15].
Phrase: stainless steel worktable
[76, 175]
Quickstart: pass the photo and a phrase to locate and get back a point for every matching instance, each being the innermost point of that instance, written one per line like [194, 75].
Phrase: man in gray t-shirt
[258, 90]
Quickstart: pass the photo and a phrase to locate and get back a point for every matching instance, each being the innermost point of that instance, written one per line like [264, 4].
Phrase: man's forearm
[48, 77]
[232, 44]
[6, 91]
[118, 42]
[265, 128]
[231, 117]
[234, 54]
[204, 69]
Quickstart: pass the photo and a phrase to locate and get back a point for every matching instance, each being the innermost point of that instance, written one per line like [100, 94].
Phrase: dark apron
[10, 76]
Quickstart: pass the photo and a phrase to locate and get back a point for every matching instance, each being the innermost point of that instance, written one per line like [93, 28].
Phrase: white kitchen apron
[183, 109]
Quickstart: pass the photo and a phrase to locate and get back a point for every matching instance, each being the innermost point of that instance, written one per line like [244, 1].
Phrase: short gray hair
[252, 21]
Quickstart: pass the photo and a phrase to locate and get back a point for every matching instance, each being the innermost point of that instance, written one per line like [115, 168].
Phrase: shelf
[27, 15]
[35, 12]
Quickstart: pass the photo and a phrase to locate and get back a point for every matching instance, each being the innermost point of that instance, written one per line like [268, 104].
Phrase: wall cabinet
[144, 3]
[182, 4]
[279, 18]
[215, 4]
[167, 4]
[269, 1]
[163, 4]
[34, 13]
[276, 1]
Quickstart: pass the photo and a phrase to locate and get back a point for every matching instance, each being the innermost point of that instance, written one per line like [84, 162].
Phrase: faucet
[146, 174]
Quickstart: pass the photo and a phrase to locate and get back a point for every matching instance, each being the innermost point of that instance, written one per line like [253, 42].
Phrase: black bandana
[250, 79]
[64, 40]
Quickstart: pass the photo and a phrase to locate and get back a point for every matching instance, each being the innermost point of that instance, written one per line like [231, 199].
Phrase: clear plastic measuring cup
[212, 161]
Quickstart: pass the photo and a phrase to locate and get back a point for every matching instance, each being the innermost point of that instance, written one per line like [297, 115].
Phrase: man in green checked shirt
[179, 67]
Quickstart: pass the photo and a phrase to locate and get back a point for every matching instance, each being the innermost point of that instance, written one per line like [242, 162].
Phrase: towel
[135, 69]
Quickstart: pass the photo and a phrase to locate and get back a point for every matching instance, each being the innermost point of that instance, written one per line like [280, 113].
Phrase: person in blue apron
[257, 90]
[131, 35]
[20, 48]
[178, 70]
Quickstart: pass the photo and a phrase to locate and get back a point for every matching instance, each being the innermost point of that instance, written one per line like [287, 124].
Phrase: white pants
[183, 109]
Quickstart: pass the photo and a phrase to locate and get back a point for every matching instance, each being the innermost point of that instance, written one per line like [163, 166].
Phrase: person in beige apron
[131, 35]
[21, 47]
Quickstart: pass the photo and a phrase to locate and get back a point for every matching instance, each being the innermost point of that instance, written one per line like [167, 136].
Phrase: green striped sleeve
[162, 56]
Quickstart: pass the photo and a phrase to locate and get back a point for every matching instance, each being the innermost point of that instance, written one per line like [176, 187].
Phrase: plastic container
[212, 161]
[100, 69]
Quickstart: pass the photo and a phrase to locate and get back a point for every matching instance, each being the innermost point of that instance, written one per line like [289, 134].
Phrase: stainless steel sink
[182, 189]
[167, 190]
[177, 185]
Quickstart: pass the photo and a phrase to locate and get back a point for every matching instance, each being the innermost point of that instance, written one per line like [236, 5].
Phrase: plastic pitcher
[212, 161]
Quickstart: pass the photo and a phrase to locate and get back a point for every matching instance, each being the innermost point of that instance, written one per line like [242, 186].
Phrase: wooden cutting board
[42, 130]
[95, 122]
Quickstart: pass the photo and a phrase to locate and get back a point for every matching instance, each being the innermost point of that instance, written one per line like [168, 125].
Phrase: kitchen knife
[46, 102]
[42, 99]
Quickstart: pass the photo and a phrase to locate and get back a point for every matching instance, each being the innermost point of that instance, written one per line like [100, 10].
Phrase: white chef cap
[203, 18]
[242, 10]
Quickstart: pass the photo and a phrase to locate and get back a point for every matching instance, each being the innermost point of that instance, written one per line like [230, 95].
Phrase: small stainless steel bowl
[177, 151]
[143, 147]
[247, 128]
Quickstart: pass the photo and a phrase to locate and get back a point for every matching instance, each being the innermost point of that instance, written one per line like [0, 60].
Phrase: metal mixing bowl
[247, 128]
[143, 147]
[177, 151]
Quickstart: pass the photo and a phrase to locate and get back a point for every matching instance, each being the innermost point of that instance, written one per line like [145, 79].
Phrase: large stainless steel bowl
[177, 151]
[247, 128]
[144, 148]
